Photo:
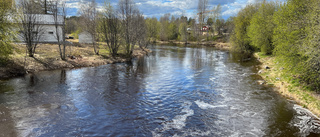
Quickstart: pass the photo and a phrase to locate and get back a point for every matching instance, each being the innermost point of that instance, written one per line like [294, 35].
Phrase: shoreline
[218, 45]
[20, 65]
[276, 76]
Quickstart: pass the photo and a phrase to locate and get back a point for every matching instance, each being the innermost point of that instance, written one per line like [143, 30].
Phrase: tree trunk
[30, 52]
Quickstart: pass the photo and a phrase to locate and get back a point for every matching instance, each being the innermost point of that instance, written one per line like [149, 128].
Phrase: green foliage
[173, 33]
[183, 31]
[261, 27]
[310, 48]
[240, 40]
[290, 31]
[210, 21]
[6, 31]
[153, 27]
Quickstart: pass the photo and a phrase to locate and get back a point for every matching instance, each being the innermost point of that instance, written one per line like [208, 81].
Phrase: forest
[288, 31]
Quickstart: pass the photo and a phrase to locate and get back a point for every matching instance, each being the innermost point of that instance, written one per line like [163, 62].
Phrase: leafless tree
[128, 12]
[30, 27]
[141, 27]
[202, 8]
[110, 28]
[216, 17]
[59, 17]
[88, 12]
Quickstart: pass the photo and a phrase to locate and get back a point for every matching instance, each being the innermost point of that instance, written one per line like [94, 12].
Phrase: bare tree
[216, 17]
[88, 12]
[141, 27]
[110, 28]
[128, 12]
[202, 7]
[59, 17]
[30, 27]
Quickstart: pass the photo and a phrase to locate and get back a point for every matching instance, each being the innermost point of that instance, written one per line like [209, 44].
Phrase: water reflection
[175, 91]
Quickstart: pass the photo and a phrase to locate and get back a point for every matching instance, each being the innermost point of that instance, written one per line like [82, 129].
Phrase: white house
[47, 28]
[85, 37]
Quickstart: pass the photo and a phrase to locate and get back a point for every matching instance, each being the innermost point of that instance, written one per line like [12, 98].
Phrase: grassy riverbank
[287, 83]
[47, 58]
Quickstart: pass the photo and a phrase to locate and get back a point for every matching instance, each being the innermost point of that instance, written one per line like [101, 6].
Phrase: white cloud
[158, 8]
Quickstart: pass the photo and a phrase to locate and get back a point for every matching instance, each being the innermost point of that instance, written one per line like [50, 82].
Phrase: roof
[46, 19]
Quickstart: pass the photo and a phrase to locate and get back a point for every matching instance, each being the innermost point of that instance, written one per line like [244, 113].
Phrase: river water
[175, 91]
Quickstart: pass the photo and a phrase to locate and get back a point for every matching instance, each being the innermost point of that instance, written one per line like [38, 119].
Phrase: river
[175, 91]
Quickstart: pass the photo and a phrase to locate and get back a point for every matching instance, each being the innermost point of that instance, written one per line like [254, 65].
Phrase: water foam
[178, 122]
[204, 105]
[307, 121]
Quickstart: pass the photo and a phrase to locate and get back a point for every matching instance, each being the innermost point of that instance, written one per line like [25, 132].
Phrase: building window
[50, 32]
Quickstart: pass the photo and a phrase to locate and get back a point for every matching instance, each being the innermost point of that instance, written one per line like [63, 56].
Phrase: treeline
[168, 27]
[290, 31]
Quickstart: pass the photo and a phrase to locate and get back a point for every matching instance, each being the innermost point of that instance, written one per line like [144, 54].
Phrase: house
[85, 37]
[47, 30]
[205, 28]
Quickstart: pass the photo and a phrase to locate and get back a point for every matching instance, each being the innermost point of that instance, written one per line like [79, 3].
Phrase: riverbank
[47, 58]
[287, 84]
[218, 45]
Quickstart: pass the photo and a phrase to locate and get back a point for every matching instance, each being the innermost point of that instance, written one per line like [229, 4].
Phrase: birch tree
[128, 12]
[202, 8]
[59, 17]
[30, 28]
[88, 12]
[110, 29]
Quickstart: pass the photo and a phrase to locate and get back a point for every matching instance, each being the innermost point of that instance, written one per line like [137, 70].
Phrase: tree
[110, 28]
[229, 25]
[164, 29]
[143, 40]
[30, 29]
[290, 31]
[153, 28]
[210, 21]
[6, 29]
[310, 48]
[240, 40]
[219, 26]
[261, 27]
[130, 17]
[183, 31]
[202, 7]
[72, 24]
[59, 17]
[88, 12]
[173, 34]
[215, 16]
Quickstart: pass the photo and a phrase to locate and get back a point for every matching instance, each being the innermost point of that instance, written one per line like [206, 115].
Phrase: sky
[157, 8]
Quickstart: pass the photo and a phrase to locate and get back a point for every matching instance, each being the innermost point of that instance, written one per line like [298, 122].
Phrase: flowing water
[175, 91]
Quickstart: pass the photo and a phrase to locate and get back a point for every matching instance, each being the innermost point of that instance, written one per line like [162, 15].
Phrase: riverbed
[174, 91]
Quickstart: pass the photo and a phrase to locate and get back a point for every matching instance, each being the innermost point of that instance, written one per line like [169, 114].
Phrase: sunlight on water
[175, 91]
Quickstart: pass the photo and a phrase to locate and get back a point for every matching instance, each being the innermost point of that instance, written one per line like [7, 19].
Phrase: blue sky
[157, 8]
